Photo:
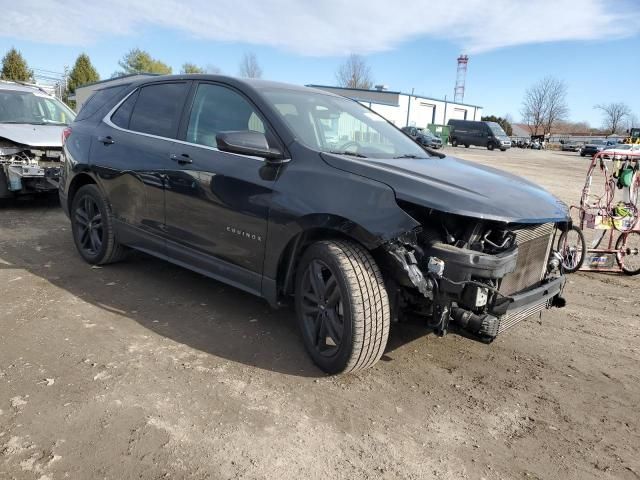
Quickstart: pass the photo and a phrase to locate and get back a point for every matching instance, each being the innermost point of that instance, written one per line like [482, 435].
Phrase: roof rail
[27, 84]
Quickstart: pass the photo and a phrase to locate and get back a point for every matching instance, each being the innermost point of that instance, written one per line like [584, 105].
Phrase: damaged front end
[25, 169]
[480, 277]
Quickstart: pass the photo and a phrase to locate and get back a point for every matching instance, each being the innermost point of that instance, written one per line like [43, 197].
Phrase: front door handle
[181, 158]
[106, 140]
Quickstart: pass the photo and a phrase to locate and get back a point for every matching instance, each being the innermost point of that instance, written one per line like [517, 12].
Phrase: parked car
[595, 146]
[31, 125]
[481, 134]
[535, 145]
[428, 139]
[232, 179]
[570, 146]
[621, 151]
[424, 137]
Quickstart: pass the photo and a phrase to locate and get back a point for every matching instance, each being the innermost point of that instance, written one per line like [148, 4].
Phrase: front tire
[490, 146]
[342, 306]
[573, 249]
[92, 227]
[454, 142]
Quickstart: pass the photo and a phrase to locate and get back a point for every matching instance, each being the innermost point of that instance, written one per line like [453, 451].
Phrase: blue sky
[592, 45]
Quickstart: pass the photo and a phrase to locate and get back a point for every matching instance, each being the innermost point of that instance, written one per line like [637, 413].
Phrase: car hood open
[459, 187]
[33, 135]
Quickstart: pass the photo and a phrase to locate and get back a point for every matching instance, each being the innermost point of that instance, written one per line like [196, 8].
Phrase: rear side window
[98, 100]
[158, 108]
[123, 114]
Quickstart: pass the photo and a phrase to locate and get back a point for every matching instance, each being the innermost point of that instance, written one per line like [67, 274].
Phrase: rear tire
[490, 146]
[630, 242]
[92, 227]
[454, 142]
[466, 145]
[342, 306]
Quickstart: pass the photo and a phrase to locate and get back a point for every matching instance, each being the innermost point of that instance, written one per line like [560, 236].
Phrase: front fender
[358, 207]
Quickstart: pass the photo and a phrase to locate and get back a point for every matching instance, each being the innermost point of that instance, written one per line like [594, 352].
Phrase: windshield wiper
[351, 154]
[409, 155]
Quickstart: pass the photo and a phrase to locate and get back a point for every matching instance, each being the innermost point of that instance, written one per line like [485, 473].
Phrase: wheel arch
[313, 229]
[79, 181]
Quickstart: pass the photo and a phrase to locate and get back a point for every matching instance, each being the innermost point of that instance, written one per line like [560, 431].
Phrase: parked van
[481, 134]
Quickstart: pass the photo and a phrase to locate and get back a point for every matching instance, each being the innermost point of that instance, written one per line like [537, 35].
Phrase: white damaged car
[32, 123]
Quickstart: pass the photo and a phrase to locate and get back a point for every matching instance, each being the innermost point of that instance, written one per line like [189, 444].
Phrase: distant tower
[461, 75]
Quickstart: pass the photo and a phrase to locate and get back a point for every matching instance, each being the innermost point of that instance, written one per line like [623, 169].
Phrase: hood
[33, 135]
[459, 187]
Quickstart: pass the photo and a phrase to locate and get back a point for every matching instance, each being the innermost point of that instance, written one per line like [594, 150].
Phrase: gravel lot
[145, 370]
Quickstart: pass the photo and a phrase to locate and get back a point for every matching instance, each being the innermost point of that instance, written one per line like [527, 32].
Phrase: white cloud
[324, 27]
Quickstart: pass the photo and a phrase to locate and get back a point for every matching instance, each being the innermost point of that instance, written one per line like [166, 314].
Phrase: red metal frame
[604, 209]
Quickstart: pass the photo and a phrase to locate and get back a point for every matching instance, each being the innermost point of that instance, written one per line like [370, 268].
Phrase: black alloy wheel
[92, 227]
[89, 228]
[322, 308]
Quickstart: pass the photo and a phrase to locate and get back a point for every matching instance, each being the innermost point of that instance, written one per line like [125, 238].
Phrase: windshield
[327, 123]
[33, 108]
[496, 129]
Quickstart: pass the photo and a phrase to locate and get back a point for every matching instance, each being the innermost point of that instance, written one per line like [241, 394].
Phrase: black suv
[294, 193]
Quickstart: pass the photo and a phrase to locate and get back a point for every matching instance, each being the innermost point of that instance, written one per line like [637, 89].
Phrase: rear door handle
[181, 158]
[106, 140]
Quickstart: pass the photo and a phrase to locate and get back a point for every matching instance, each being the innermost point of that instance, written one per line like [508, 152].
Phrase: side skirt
[182, 256]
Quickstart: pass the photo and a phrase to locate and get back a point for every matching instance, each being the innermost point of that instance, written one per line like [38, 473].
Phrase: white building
[406, 109]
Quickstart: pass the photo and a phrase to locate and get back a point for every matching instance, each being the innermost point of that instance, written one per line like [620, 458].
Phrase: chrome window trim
[107, 120]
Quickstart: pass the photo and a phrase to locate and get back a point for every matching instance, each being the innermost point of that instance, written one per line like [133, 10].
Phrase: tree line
[544, 106]
[15, 68]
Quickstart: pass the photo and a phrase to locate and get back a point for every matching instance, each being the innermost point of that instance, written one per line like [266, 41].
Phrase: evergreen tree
[82, 72]
[139, 61]
[14, 67]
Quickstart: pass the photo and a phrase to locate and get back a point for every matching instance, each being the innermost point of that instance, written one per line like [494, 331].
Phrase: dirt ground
[145, 370]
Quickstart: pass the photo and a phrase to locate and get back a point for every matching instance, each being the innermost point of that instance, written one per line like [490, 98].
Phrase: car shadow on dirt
[169, 300]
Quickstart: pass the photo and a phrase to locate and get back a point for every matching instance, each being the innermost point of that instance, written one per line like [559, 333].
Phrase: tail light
[65, 134]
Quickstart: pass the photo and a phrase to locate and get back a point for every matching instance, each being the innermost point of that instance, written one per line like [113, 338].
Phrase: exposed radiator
[534, 246]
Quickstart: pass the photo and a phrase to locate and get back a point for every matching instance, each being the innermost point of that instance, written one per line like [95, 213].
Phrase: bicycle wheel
[628, 252]
[634, 190]
[573, 249]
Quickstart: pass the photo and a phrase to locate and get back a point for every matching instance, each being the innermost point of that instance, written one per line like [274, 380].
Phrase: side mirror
[247, 142]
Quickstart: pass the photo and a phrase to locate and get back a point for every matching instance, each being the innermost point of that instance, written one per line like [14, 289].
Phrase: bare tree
[249, 67]
[545, 105]
[614, 115]
[533, 107]
[354, 73]
[556, 108]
